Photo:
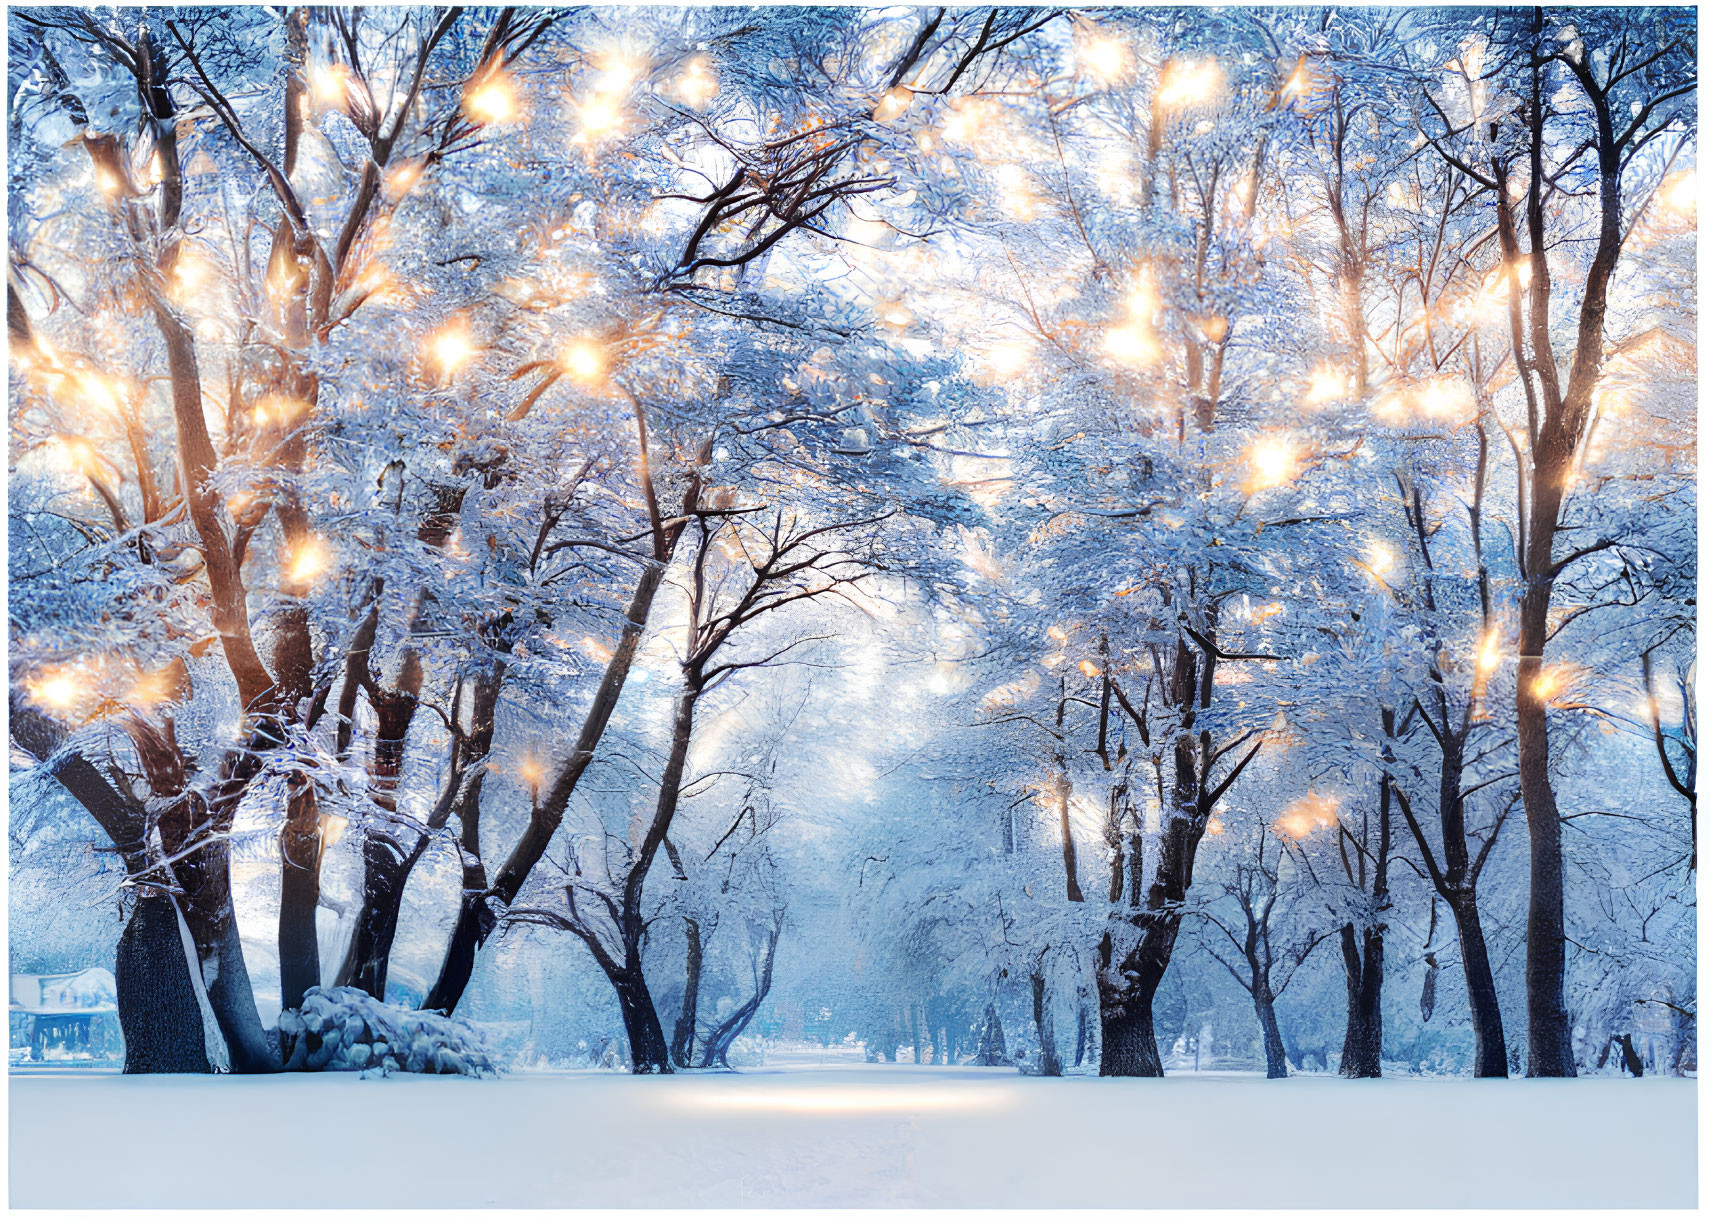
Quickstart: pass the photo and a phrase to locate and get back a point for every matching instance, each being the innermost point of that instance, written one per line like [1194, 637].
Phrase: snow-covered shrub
[342, 1029]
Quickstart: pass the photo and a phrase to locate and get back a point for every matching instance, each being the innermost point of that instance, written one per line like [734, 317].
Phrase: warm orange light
[1304, 817]
[59, 690]
[1105, 58]
[1489, 653]
[1273, 461]
[596, 650]
[1216, 827]
[495, 100]
[1327, 383]
[1187, 83]
[894, 103]
[308, 561]
[583, 361]
[328, 83]
[1088, 668]
[1056, 633]
[452, 347]
[1131, 345]
[697, 85]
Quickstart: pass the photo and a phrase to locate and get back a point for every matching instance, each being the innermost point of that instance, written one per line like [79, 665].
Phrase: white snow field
[848, 1135]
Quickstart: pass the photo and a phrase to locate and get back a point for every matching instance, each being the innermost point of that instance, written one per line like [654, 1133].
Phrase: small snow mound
[343, 1029]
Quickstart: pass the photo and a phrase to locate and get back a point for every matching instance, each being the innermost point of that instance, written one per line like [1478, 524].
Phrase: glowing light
[1489, 653]
[1088, 668]
[1382, 559]
[495, 100]
[191, 273]
[1107, 59]
[596, 650]
[100, 392]
[894, 103]
[599, 116]
[57, 689]
[1679, 193]
[1328, 383]
[1130, 345]
[583, 360]
[1549, 682]
[532, 772]
[1216, 827]
[895, 314]
[1447, 397]
[1396, 197]
[1189, 83]
[328, 83]
[889, 1100]
[1056, 633]
[308, 561]
[1273, 461]
[1304, 817]
[451, 347]
[697, 86]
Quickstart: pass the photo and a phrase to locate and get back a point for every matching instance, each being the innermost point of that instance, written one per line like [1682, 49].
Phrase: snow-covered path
[847, 1135]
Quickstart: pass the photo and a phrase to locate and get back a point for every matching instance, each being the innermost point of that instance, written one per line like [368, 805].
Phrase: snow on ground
[809, 1133]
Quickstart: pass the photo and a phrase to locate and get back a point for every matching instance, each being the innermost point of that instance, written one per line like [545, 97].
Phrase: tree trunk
[685, 1030]
[727, 1032]
[477, 918]
[1549, 1030]
[1043, 1011]
[460, 959]
[1083, 1034]
[642, 1026]
[300, 891]
[1361, 1056]
[1491, 1053]
[1273, 1049]
[386, 869]
[159, 1012]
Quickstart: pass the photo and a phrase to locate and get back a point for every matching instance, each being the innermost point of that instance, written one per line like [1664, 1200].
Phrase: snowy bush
[342, 1029]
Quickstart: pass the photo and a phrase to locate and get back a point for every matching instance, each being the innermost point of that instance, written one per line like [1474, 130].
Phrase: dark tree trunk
[1549, 1030]
[159, 1012]
[460, 959]
[386, 863]
[385, 873]
[1128, 1039]
[642, 1025]
[1083, 1034]
[477, 917]
[1273, 1049]
[300, 891]
[727, 1032]
[1361, 1056]
[1042, 1010]
[685, 1030]
[1491, 1053]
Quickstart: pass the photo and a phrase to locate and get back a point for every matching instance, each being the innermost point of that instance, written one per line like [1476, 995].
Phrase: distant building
[55, 1017]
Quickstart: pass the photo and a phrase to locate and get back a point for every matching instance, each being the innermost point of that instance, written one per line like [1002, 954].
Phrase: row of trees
[1272, 427]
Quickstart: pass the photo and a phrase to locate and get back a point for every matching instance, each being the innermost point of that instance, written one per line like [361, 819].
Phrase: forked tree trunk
[727, 1032]
[477, 917]
[1361, 1055]
[1486, 1026]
